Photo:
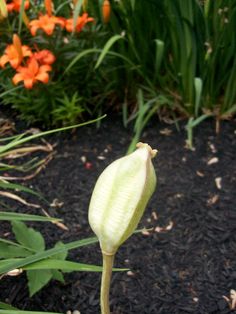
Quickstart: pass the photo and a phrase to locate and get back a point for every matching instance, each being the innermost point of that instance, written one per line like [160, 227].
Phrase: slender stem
[106, 282]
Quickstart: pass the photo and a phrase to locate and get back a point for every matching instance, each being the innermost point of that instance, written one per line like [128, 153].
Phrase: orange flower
[80, 23]
[12, 56]
[46, 23]
[45, 57]
[15, 5]
[32, 73]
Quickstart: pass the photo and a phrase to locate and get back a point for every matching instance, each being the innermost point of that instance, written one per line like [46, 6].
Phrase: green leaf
[57, 275]
[37, 279]
[25, 312]
[159, 54]
[21, 139]
[79, 56]
[200, 119]
[9, 242]
[6, 306]
[25, 217]
[10, 251]
[61, 255]
[198, 94]
[28, 236]
[13, 186]
[66, 266]
[106, 48]
[46, 254]
[5, 262]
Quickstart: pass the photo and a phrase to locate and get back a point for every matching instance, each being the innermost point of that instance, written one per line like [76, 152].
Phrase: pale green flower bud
[120, 196]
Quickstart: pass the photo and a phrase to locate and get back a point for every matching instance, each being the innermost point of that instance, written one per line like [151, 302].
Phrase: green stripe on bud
[120, 196]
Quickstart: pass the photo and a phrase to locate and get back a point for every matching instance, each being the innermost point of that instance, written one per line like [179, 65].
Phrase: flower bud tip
[153, 152]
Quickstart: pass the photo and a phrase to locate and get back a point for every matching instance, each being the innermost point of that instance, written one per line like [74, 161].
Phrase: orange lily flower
[15, 5]
[44, 57]
[47, 23]
[80, 23]
[11, 55]
[32, 73]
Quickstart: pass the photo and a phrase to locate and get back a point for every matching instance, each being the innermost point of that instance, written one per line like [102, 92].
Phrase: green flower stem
[108, 261]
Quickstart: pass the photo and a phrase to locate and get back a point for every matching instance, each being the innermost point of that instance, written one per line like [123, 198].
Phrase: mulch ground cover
[186, 264]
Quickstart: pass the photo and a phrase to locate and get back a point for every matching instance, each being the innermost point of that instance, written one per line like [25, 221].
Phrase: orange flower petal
[16, 4]
[29, 82]
[10, 7]
[26, 51]
[49, 28]
[33, 66]
[43, 77]
[3, 60]
[80, 23]
[33, 30]
[17, 78]
[45, 68]
[15, 62]
[44, 56]
[46, 23]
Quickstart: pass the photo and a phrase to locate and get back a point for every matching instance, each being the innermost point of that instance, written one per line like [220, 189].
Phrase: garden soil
[185, 264]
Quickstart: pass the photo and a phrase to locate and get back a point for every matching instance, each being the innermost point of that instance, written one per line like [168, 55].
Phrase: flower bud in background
[106, 11]
[48, 6]
[18, 46]
[3, 9]
[85, 5]
[120, 196]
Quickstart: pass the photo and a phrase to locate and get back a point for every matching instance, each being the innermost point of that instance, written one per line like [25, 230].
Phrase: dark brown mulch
[187, 269]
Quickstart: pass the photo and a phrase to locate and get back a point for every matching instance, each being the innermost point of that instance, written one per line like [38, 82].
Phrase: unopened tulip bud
[120, 197]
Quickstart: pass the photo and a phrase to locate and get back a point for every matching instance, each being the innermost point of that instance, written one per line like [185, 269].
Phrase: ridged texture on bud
[120, 196]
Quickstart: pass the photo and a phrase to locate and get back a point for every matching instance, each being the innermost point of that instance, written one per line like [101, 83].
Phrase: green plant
[185, 54]
[68, 110]
[48, 38]
[28, 243]
[143, 114]
[29, 254]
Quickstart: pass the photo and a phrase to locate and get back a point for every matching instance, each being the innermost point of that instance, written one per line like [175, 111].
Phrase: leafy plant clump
[29, 246]
[38, 43]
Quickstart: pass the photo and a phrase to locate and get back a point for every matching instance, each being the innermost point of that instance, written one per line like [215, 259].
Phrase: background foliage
[179, 54]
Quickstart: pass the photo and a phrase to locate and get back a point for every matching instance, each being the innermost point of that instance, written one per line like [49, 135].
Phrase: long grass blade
[106, 48]
[25, 217]
[46, 254]
[34, 136]
[25, 312]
